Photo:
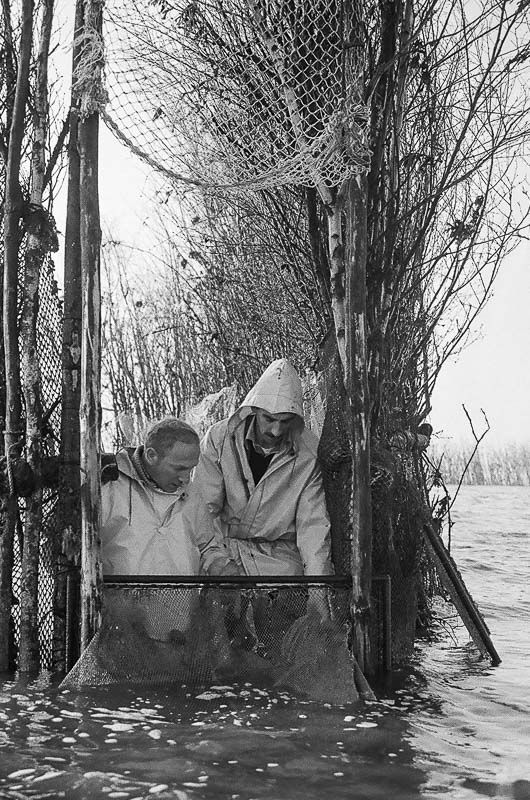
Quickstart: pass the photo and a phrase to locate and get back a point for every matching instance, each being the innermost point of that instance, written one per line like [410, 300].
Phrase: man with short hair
[261, 480]
[153, 521]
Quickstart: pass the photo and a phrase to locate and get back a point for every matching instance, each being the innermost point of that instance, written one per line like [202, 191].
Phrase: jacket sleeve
[313, 534]
[215, 559]
[208, 476]
[108, 531]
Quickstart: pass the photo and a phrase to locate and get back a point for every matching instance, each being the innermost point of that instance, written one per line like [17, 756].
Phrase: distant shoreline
[504, 465]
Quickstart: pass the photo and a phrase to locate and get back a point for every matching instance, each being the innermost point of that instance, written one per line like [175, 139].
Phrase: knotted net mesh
[48, 363]
[239, 94]
[197, 634]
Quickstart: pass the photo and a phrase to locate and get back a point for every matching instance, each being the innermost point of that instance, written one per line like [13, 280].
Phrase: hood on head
[278, 391]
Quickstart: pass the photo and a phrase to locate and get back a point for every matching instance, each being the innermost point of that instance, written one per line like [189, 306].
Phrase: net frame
[381, 595]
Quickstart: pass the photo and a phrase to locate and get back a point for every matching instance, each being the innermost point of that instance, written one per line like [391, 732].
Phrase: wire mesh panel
[47, 568]
[49, 326]
[49, 322]
[16, 577]
[202, 632]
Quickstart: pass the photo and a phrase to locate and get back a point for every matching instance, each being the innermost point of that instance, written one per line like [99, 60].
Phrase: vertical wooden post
[348, 250]
[357, 390]
[13, 210]
[38, 245]
[90, 406]
[66, 621]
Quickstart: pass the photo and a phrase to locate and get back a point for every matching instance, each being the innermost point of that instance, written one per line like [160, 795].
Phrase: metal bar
[238, 580]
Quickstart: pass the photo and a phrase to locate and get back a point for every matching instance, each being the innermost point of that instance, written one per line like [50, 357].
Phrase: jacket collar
[131, 465]
[136, 459]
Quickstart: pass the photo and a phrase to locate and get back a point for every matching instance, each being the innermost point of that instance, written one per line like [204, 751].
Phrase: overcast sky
[494, 372]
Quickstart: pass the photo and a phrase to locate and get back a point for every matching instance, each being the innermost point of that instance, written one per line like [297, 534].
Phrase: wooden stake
[38, 244]
[357, 390]
[90, 405]
[13, 210]
[66, 638]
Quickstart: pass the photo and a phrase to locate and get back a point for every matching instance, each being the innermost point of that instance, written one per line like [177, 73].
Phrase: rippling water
[451, 726]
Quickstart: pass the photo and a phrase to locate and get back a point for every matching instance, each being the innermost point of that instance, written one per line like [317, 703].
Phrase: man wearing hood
[261, 480]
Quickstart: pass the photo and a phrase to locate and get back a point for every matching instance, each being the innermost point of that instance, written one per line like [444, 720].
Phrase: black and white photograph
[264, 397]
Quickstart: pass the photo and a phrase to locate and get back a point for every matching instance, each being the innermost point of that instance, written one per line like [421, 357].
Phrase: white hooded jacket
[279, 526]
[145, 531]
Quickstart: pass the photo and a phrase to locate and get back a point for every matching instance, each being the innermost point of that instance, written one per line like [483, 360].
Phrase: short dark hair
[162, 435]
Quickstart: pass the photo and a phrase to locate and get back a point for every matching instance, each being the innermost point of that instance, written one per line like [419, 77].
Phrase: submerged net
[236, 93]
[202, 633]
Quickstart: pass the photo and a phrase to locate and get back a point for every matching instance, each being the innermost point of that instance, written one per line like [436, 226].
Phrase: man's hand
[220, 566]
[231, 568]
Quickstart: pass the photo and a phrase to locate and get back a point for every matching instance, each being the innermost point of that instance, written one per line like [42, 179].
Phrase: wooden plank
[454, 584]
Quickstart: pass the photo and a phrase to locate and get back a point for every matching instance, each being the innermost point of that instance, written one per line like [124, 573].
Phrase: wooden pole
[13, 211]
[38, 244]
[90, 406]
[357, 390]
[66, 636]
[347, 242]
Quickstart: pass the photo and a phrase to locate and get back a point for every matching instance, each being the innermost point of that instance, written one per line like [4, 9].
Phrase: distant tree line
[507, 465]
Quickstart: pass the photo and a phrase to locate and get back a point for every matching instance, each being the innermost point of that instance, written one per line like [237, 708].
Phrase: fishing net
[237, 94]
[400, 569]
[335, 457]
[199, 633]
[212, 408]
[48, 354]
[49, 325]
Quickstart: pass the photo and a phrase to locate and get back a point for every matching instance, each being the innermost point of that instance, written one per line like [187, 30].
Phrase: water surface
[450, 726]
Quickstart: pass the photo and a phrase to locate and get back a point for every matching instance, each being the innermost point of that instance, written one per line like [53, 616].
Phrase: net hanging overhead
[239, 94]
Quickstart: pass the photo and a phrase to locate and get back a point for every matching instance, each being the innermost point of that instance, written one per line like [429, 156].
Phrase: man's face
[172, 470]
[271, 429]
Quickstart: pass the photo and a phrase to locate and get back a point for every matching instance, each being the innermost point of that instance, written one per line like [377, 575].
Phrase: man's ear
[151, 456]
